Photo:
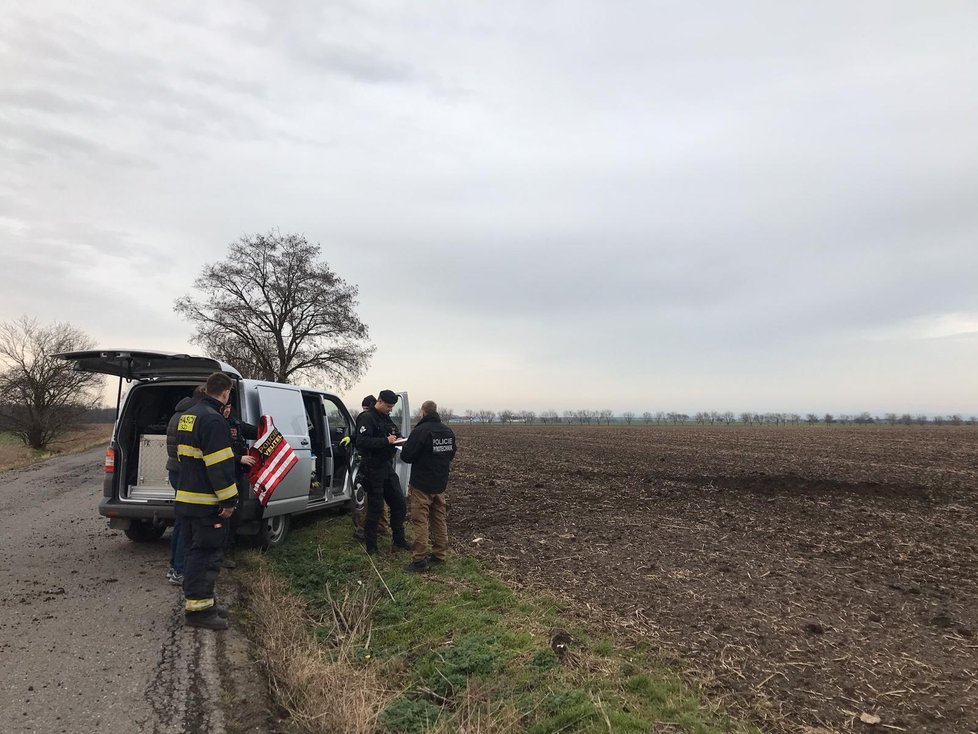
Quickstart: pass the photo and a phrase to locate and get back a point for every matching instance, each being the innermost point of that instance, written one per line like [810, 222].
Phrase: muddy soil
[809, 576]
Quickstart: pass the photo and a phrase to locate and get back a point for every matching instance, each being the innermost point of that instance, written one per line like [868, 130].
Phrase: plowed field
[808, 575]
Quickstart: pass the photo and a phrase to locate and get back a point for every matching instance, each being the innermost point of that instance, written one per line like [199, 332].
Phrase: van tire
[144, 531]
[358, 497]
[272, 531]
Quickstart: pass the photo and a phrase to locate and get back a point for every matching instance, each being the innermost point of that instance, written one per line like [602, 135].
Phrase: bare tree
[605, 414]
[41, 396]
[274, 310]
[629, 416]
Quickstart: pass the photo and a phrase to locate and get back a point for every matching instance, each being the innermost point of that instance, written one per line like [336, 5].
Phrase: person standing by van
[359, 517]
[429, 449]
[375, 440]
[175, 574]
[207, 496]
[241, 433]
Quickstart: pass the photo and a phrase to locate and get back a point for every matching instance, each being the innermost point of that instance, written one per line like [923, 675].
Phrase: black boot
[211, 621]
[399, 542]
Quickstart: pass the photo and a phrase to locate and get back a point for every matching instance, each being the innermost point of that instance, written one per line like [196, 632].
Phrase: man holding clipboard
[376, 438]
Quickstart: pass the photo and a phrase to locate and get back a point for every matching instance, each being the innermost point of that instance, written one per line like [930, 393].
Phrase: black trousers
[382, 485]
[204, 539]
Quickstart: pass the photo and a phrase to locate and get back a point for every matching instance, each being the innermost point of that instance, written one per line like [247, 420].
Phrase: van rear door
[135, 364]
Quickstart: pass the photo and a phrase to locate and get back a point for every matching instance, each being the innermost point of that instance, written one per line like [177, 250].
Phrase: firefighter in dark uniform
[376, 435]
[207, 496]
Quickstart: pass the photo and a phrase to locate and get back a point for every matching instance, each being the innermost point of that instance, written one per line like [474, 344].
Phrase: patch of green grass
[456, 633]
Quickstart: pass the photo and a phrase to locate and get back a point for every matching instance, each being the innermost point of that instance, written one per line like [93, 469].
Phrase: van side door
[339, 428]
[401, 415]
[284, 404]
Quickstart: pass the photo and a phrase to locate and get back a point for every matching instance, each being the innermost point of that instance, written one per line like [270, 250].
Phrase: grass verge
[359, 646]
[14, 454]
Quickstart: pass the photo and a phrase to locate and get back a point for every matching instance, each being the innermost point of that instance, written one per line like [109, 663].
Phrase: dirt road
[90, 632]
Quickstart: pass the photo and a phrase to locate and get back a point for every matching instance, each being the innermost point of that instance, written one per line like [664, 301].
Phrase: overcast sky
[761, 206]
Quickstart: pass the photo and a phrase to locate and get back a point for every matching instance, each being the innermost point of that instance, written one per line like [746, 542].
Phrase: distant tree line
[711, 418]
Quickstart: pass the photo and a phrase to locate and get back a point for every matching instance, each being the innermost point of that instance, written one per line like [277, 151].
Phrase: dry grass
[477, 713]
[319, 685]
[14, 454]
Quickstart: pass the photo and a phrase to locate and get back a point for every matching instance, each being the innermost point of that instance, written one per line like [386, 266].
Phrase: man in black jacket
[429, 449]
[375, 440]
[207, 496]
[175, 574]
[241, 433]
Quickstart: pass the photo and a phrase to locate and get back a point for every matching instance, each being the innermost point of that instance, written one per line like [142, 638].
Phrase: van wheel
[358, 499]
[273, 531]
[144, 531]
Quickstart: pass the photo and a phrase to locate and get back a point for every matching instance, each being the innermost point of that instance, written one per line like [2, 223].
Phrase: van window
[286, 408]
[334, 416]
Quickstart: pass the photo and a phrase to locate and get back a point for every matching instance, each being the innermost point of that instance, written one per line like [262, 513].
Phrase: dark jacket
[429, 449]
[373, 428]
[172, 462]
[241, 433]
[207, 473]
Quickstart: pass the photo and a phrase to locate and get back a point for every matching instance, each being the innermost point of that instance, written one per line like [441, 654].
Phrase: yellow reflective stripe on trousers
[193, 452]
[218, 456]
[197, 498]
[198, 605]
[227, 493]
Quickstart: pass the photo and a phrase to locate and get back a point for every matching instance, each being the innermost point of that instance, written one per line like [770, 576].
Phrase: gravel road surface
[91, 634]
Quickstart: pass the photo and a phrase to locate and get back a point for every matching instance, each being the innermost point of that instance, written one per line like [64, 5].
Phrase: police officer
[430, 450]
[206, 498]
[375, 439]
[359, 517]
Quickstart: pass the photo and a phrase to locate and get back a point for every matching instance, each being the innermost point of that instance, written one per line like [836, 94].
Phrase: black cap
[368, 402]
[388, 396]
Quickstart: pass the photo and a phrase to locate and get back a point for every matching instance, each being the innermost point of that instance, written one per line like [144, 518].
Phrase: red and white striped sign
[275, 459]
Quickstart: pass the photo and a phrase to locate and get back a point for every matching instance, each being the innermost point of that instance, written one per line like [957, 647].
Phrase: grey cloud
[748, 187]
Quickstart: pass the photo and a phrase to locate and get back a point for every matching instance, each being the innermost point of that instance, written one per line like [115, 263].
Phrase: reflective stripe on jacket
[172, 460]
[207, 473]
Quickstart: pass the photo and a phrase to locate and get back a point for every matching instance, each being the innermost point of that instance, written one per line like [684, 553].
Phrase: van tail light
[110, 460]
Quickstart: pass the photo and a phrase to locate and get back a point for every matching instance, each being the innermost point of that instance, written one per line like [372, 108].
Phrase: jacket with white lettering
[207, 477]
[429, 449]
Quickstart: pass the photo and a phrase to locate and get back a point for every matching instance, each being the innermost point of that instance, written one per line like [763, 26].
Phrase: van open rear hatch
[135, 364]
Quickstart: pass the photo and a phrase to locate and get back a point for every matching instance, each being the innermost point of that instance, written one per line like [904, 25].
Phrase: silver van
[137, 497]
